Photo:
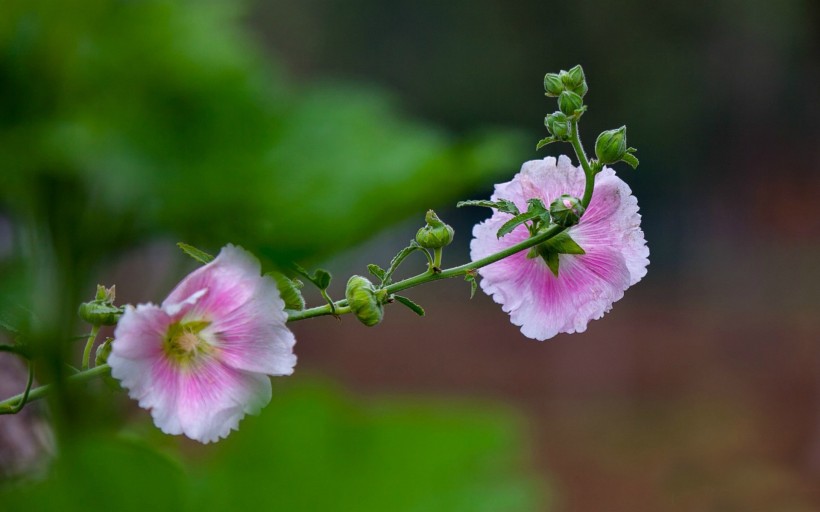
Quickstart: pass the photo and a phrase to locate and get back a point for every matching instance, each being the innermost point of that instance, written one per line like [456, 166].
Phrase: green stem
[437, 258]
[589, 186]
[13, 404]
[428, 276]
[7, 405]
[88, 345]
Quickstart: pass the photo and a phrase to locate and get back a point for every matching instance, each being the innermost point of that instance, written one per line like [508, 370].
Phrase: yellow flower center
[184, 343]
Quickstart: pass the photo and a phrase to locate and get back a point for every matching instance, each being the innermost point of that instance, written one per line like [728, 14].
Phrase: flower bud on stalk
[575, 81]
[570, 102]
[101, 310]
[610, 147]
[436, 234]
[553, 84]
[566, 211]
[363, 301]
[558, 125]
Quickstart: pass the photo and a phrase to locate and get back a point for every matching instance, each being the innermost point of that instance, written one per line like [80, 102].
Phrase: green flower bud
[103, 351]
[436, 234]
[569, 102]
[558, 125]
[101, 310]
[610, 147]
[575, 81]
[566, 211]
[364, 301]
[553, 84]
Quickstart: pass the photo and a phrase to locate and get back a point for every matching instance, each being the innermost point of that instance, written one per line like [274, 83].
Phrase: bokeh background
[320, 131]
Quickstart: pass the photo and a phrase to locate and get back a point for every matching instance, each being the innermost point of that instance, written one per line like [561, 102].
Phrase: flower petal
[140, 331]
[542, 304]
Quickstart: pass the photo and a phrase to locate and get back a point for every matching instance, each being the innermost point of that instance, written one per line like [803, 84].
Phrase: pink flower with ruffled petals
[201, 360]
[587, 285]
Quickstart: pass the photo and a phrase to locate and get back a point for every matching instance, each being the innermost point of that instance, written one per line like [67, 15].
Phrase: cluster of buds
[569, 87]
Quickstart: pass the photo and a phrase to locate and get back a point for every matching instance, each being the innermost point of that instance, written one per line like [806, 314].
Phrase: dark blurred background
[321, 131]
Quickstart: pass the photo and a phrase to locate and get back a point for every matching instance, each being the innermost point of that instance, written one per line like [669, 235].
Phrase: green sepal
[630, 160]
[289, 290]
[536, 210]
[197, 254]
[502, 205]
[377, 271]
[545, 141]
[552, 262]
[470, 278]
[410, 304]
[562, 243]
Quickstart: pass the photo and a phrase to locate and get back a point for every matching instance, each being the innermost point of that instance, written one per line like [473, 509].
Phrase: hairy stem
[589, 186]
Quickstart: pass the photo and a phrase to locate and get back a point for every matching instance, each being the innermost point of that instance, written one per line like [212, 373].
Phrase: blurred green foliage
[122, 119]
[311, 449]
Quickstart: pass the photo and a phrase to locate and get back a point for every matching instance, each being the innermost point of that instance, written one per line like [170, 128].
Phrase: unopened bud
[553, 84]
[575, 81]
[610, 147]
[569, 102]
[436, 234]
[566, 211]
[101, 310]
[103, 351]
[558, 125]
[363, 300]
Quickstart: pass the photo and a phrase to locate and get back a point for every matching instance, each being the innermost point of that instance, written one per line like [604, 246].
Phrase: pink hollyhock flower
[542, 304]
[201, 360]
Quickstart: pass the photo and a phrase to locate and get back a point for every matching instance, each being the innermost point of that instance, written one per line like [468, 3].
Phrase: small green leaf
[545, 141]
[197, 254]
[398, 258]
[377, 271]
[506, 206]
[321, 278]
[536, 210]
[410, 304]
[289, 291]
[516, 221]
[470, 278]
[502, 205]
[630, 159]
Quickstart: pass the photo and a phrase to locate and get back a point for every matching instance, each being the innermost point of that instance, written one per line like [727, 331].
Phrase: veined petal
[201, 361]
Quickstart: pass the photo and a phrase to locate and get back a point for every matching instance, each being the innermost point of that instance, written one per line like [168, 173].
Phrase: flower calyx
[611, 147]
[436, 234]
[101, 310]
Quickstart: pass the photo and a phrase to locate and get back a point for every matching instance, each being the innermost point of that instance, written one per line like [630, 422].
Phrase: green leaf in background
[310, 449]
[197, 254]
[164, 117]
